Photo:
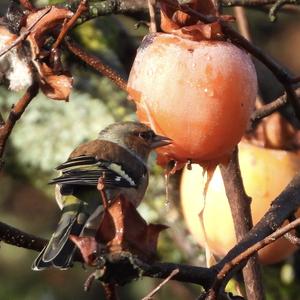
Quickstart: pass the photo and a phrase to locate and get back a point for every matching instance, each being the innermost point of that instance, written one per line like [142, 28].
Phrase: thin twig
[15, 114]
[243, 26]
[81, 8]
[151, 7]
[242, 22]
[275, 8]
[257, 246]
[152, 293]
[96, 64]
[268, 109]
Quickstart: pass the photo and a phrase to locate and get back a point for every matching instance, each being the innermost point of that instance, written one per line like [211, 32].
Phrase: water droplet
[167, 201]
[209, 92]
[170, 170]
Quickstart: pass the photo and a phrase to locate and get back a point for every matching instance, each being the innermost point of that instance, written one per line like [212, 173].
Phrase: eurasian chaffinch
[119, 155]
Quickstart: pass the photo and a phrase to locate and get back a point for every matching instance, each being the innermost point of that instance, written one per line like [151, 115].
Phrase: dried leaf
[123, 229]
[172, 18]
[54, 84]
[57, 87]
[88, 248]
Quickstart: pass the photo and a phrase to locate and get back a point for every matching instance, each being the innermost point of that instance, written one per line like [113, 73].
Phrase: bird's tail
[60, 250]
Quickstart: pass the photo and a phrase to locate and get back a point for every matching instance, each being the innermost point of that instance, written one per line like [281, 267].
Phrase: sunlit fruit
[265, 172]
[199, 93]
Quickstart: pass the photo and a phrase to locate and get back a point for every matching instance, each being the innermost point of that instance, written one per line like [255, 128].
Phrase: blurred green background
[49, 130]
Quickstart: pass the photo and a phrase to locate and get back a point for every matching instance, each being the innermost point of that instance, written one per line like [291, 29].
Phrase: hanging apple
[195, 88]
[263, 182]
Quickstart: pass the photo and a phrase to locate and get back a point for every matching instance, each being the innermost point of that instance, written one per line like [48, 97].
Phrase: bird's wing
[86, 170]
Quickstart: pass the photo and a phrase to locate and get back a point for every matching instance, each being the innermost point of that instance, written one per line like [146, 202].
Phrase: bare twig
[96, 64]
[268, 109]
[151, 7]
[275, 8]
[152, 293]
[241, 212]
[244, 29]
[81, 8]
[16, 237]
[15, 114]
[254, 248]
[242, 22]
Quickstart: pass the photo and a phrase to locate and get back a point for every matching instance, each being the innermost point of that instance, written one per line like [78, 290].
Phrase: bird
[119, 156]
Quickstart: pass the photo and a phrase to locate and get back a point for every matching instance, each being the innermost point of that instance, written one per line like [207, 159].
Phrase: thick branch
[108, 7]
[16, 237]
[241, 213]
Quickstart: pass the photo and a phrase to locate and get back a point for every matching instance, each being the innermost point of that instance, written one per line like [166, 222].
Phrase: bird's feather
[87, 171]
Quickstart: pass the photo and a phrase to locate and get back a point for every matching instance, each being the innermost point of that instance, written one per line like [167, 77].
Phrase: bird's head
[135, 137]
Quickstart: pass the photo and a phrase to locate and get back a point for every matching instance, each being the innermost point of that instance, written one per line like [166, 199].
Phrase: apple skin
[265, 174]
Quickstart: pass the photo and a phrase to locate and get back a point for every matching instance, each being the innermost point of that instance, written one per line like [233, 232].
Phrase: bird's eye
[147, 135]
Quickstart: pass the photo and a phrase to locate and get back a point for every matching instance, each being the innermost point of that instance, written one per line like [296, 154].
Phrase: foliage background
[49, 130]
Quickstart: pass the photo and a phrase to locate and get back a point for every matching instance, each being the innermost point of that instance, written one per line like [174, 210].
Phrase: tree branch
[16, 112]
[108, 7]
[95, 63]
[241, 213]
[16, 237]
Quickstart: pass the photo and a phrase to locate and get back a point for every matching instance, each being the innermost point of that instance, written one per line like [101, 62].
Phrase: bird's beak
[159, 141]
